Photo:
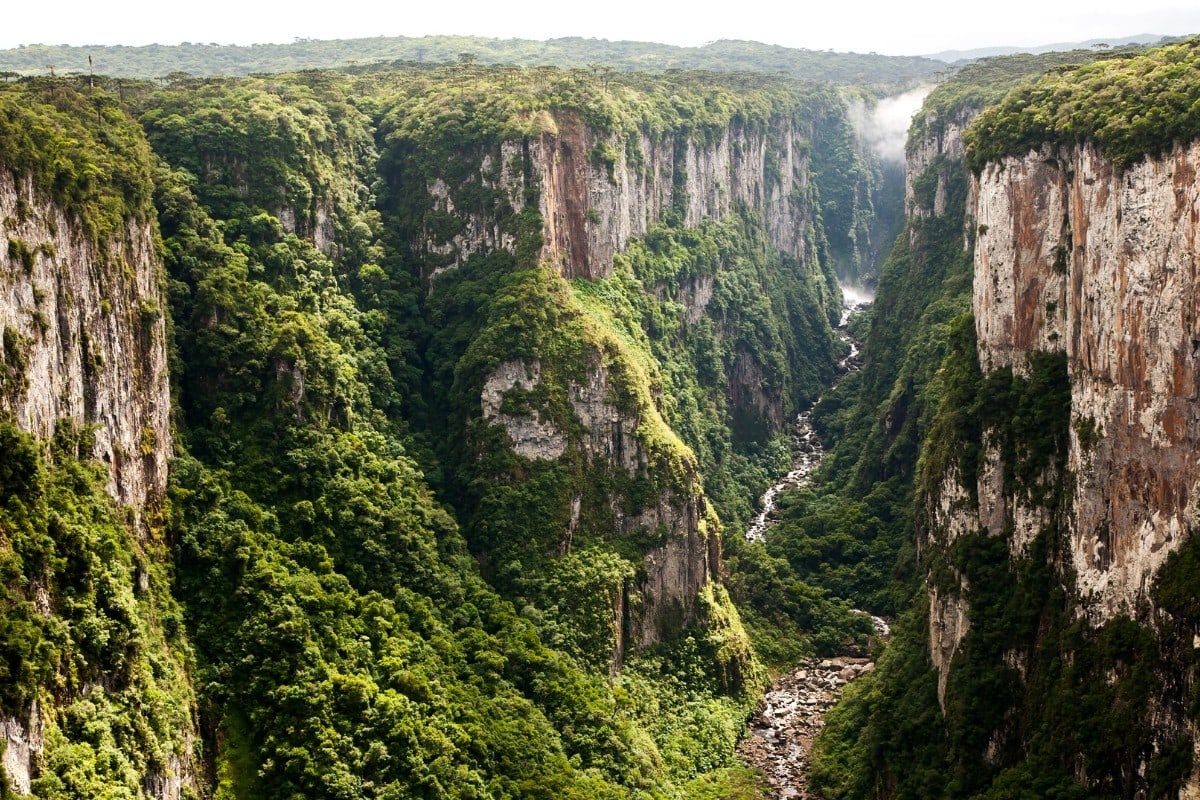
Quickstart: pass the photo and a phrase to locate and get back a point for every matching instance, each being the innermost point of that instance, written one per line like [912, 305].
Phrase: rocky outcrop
[942, 141]
[85, 338]
[610, 434]
[22, 744]
[1076, 257]
[317, 226]
[948, 626]
[1098, 267]
[530, 435]
[949, 512]
[478, 230]
[593, 207]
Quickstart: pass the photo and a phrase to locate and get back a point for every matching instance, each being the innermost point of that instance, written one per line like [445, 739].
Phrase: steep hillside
[1052, 651]
[94, 663]
[719, 188]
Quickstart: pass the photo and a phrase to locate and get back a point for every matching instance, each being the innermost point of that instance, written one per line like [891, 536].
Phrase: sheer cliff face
[615, 432]
[84, 338]
[1076, 257]
[84, 353]
[593, 210]
[942, 142]
[933, 158]
[596, 193]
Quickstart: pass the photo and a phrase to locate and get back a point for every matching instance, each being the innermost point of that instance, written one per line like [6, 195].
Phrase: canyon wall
[85, 338]
[84, 363]
[1102, 265]
[597, 191]
[1085, 278]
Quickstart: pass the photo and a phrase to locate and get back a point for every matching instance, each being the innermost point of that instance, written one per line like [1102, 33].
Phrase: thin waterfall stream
[782, 730]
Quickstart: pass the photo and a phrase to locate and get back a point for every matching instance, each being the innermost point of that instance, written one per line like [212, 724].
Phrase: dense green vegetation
[1136, 105]
[81, 148]
[376, 595]
[983, 83]
[354, 633]
[288, 399]
[90, 631]
[154, 61]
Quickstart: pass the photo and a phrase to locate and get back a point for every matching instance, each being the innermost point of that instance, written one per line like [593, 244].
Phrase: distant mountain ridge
[154, 61]
[953, 56]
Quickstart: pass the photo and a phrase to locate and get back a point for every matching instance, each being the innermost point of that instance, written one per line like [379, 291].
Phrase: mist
[884, 127]
[853, 296]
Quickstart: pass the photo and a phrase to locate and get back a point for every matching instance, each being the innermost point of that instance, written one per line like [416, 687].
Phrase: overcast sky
[883, 26]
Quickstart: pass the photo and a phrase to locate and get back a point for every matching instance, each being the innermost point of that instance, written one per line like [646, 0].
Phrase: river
[781, 732]
[807, 450]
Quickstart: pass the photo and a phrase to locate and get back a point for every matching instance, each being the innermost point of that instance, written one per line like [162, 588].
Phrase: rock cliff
[84, 359]
[940, 142]
[933, 162]
[597, 191]
[84, 338]
[1084, 278]
[1102, 265]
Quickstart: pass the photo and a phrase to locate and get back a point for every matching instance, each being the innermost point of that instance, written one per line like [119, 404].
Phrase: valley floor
[792, 713]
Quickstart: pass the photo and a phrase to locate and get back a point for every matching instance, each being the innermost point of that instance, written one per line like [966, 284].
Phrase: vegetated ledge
[1131, 106]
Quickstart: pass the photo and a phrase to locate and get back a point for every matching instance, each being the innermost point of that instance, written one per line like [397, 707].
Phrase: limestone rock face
[592, 212]
[674, 572]
[948, 625]
[1103, 266]
[608, 434]
[85, 339]
[22, 744]
[531, 436]
[943, 140]
[949, 512]
[320, 231]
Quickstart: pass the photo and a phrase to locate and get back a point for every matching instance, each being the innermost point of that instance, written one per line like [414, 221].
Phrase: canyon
[426, 412]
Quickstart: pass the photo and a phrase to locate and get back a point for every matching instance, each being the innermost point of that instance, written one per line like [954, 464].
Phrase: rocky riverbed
[792, 712]
[781, 732]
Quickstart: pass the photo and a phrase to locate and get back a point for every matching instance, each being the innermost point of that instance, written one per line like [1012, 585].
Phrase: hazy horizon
[861, 26]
